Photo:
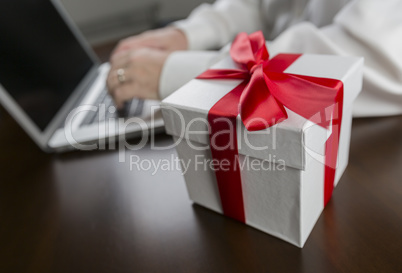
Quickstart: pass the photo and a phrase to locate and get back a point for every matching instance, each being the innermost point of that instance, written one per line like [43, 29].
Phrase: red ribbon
[261, 99]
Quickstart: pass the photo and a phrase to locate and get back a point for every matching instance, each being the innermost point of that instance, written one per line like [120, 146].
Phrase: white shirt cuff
[199, 34]
[183, 66]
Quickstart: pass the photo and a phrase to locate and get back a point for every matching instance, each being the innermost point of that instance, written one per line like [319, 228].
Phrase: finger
[122, 60]
[129, 62]
[134, 43]
[124, 93]
[132, 57]
[113, 81]
[120, 57]
[124, 45]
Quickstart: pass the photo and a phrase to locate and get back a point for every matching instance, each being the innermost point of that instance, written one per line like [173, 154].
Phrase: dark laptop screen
[41, 61]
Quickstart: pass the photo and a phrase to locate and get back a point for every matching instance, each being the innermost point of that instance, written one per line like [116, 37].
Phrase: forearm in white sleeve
[211, 26]
[368, 28]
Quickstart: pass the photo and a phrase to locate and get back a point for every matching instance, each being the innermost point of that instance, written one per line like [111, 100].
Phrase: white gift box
[282, 167]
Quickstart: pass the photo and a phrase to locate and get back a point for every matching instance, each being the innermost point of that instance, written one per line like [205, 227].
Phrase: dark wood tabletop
[88, 212]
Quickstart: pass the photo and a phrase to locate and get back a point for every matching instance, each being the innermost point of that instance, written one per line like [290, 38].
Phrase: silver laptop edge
[52, 134]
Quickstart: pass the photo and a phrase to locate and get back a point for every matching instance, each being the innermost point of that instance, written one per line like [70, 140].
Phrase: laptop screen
[41, 61]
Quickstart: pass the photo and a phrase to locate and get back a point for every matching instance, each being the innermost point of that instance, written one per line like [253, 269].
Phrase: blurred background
[102, 21]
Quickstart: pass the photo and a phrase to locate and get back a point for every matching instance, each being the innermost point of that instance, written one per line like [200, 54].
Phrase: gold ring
[121, 75]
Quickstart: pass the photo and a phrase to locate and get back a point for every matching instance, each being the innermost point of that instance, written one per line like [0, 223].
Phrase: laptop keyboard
[106, 109]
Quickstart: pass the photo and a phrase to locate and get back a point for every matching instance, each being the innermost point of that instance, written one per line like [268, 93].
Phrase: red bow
[261, 100]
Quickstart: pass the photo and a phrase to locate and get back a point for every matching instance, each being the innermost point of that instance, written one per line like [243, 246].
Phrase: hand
[141, 72]
[167, 39]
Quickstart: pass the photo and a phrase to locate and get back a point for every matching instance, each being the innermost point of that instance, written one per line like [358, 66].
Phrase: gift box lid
[186, 110]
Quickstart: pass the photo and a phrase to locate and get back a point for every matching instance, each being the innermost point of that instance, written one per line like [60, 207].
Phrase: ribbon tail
[223, 143]
[319, 100]
[332, 148]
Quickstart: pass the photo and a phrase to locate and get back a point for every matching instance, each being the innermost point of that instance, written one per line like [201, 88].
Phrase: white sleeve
[368, 28]
[211, 26]
[181, 67]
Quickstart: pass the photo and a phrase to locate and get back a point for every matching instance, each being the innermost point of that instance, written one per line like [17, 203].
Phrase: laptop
[53, 85]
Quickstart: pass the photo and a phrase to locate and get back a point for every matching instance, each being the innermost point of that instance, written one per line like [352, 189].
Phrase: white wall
[103, 20]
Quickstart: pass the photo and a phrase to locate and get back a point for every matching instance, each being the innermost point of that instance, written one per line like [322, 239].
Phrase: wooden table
[88, 212]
